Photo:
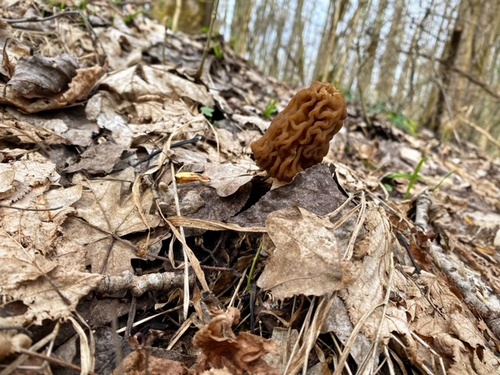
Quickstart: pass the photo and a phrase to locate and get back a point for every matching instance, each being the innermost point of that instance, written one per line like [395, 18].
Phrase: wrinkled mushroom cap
[299, 136]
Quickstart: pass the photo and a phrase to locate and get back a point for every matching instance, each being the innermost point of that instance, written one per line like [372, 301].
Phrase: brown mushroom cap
[299, 136]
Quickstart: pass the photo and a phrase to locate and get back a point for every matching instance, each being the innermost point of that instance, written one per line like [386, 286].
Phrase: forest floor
[136, 229]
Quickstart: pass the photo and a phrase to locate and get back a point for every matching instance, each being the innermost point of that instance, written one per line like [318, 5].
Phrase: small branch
[39, 19]
[199, 72]
[471, 78]
[480, 130]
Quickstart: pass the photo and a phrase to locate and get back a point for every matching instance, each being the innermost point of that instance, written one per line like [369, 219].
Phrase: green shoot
[397, 119]
[219, 54]
[252, 269]
[83, 5]
[131, 17]
[442, 180]
[207, 112]
[270, 109]
[412, 178]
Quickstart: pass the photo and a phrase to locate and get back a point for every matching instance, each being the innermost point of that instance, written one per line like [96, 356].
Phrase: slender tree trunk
[240, 26]
[275, 66]
[390, 58]
[454, 93]
[332, 38]
[369, 57]
[342, 74]
[321, 54]
[295, 47]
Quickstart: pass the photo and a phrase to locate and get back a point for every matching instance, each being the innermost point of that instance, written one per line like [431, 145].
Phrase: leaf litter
[133, 225]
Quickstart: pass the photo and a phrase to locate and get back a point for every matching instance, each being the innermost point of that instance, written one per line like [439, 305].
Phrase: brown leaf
[141, 362]
[373, 254]
[98, 159]
[222, 348]
[314, 189]
[307, 258]
[227, 178]
[39, 76]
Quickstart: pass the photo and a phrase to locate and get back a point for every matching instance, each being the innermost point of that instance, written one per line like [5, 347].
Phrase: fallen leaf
[313, 189]
[307, 259]
[223, 349]
[98, 159]
[39, 76]
[227, 178]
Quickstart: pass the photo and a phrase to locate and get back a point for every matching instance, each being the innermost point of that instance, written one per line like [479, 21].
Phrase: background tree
[434, 61]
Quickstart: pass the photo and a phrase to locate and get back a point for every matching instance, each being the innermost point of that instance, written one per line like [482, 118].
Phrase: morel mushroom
[299, 136]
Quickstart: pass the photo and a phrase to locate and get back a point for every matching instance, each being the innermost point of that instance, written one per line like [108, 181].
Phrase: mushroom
[299, 136]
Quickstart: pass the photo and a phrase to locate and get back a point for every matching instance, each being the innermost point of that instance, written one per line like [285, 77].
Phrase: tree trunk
[370, 53]
[332, 37]
[390, 58]
[274, 68]
[321, 54]
[295, 47]
[343, 75]
[241, 25]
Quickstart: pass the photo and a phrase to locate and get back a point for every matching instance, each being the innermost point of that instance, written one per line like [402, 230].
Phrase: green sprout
[251, 275]
[438, 185]
[131, 17]
[83, 5]
[270, 109]
[412, 178]
[219, 54]
[207, 112]
[397, 119]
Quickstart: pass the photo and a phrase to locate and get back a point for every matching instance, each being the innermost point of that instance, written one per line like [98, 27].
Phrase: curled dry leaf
[227, 178]
[307, 259]
[38, 76]
[141, 362]
[11, 343]
[42, 83]
[373, 255]
[223, 349]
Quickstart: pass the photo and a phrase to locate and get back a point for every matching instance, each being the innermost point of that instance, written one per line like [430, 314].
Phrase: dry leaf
[107, 210]
[144, 80]
[102, 108]
[223, 349]
[141, 362]
[47, 290]
[98, 159]
[373, 255]
[227, 178]
[41, 77]
[313, 189]
[307, 259]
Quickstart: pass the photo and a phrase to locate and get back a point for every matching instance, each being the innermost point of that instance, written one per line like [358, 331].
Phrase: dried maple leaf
[223, 349]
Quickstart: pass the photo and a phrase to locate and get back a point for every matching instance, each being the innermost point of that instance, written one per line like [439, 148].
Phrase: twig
[199, 72]
[480, 130]
[30, 209]
[471, 78]
[13, 21]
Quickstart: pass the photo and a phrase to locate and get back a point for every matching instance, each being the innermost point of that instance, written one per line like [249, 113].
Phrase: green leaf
[207, 112]
[219, 54]
[270, 109]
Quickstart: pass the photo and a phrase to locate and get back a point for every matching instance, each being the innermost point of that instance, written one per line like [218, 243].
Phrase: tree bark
[390, 58]
[240, 26]
[332, 37]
